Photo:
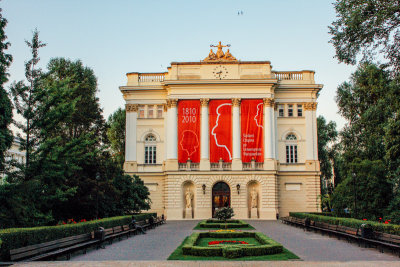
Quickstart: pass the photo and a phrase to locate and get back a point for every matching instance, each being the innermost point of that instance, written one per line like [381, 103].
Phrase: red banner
[220, 130]
[252, 129]
[188, 130]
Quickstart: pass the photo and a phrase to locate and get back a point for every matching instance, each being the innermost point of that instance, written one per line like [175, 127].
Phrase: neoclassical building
[224, 132]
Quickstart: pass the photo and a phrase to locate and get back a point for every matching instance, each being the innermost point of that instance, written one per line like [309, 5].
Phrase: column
[172, 136]
[236, 144]
[165, 131]
[269, 134]
[311, 136]
[130, 164]
[204, 137]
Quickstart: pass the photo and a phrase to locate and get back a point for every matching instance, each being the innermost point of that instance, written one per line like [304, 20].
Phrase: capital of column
[204, 102]
[269, 102]
[310, 106]
[131, 107]
[171, 103]
[236, 102]
[165, 107]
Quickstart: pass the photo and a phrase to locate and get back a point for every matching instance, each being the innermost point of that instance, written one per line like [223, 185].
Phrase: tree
[365, 27]
[26, 100]
[327, 135]
[6, 136]
[224, 214]
[116, 134]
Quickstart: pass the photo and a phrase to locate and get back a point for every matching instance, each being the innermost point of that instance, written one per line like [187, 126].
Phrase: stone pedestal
[188, 213]
[253, 213]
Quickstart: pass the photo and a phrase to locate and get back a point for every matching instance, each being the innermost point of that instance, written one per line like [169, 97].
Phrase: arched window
[291, 148]
[150, 149]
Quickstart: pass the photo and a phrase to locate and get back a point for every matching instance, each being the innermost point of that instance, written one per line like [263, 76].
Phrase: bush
[231, 252]
[224, 213]
[221, 225]
[13, 238]
[349, 222]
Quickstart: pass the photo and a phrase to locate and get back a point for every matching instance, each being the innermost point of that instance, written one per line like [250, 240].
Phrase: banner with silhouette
[188, 130]
[220, 119]
[252, 130]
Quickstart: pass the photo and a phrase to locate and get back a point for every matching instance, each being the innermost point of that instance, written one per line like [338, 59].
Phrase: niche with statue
[188, 196]
[253, 189]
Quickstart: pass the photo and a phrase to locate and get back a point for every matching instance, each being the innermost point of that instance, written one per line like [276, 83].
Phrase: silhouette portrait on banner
[220, 130]
[252, 130]
[188, 130]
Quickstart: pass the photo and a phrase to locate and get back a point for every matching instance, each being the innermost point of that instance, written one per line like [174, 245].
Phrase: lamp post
[355, 193]
[97, 194]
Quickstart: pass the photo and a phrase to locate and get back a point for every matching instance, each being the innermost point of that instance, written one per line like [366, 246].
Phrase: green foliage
[366, 27]
[349, 222]
[6, 136]
[232, 252]
[327, 135]
[224, 213]
[20, 237]
[116, 134]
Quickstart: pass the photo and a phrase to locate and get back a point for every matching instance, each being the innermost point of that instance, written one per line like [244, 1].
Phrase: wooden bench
[384, 240]
[144, 224]
[53, 249]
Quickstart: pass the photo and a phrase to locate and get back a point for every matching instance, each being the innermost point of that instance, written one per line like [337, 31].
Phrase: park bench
[144, 224]
[384, 240]
[53, 249]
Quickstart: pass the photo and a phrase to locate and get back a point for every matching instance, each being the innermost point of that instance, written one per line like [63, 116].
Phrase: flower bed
[215, 224]
[265, 245]
[219, 242]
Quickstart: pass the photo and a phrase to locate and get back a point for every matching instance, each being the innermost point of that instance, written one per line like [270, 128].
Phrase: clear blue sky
[116, 37]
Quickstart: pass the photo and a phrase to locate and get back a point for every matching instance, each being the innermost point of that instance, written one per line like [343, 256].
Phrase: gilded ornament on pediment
[220, 55]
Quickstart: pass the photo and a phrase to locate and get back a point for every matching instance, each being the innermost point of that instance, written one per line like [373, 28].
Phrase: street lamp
[97, 194]
[355, 193]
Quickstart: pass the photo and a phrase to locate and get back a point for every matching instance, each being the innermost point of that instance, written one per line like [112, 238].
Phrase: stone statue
[228, 56]
[253, 195]
[188, 196]
[211, 56]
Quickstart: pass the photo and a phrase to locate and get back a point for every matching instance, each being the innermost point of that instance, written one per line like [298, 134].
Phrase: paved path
[160, 242]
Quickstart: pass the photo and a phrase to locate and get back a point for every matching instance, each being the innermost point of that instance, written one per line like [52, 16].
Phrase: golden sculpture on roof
[220, 55]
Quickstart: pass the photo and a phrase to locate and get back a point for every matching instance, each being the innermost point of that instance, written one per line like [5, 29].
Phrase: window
[290, 110]
[291, 148]
[141, 111]
[159, 111]
[299, 110]
[280, 110]
[150, 111]
[150, 150]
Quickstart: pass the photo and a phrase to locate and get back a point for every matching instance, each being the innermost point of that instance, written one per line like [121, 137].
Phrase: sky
[121, 36]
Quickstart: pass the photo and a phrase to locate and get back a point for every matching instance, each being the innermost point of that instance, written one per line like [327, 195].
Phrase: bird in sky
[240, 12]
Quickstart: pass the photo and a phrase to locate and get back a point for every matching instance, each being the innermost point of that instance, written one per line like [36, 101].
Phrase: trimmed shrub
[231, 252]
[268, 245]
[228, 225]
[13, 238]
[349, 222]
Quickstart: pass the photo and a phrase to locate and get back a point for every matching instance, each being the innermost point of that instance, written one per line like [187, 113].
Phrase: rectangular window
[281, 110]
[141, 111]
[290, 110]
[150, 111]
[150, 153]
[299, 110]
[291, 154]
[159, 111]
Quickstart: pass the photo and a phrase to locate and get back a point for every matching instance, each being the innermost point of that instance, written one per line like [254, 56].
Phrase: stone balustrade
[294, 75]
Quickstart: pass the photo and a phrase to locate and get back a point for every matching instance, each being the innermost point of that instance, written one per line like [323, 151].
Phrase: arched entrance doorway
[221, 196]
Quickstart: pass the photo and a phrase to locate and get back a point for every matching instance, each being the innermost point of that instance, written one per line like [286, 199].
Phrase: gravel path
[160, 242]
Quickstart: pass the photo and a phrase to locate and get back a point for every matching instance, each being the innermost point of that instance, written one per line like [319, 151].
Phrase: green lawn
[198, 227]
[203, 242]
[285, 255]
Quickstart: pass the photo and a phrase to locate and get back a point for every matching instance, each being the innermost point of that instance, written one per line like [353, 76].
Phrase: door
[221, 196]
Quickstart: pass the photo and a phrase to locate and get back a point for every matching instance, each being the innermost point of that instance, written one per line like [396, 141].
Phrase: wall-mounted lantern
[204, 188]
[238, 188]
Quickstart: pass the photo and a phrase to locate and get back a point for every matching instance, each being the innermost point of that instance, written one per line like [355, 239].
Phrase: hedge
[13, 238]
[269, 246]
[349, 222]
[219, 224]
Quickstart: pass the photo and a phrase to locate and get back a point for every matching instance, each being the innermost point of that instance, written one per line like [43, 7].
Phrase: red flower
[364, 219]
[226, 241]
[380, 218]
